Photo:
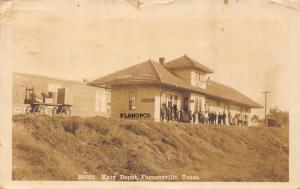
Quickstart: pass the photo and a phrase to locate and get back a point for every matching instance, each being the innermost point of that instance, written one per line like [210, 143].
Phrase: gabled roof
[223, 91]
[167, 77]
[218, 90]
[187, 62]
[145, 72]
[151, 72]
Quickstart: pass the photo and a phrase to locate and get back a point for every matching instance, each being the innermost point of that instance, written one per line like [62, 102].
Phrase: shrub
[113, 141]
[72, 124]
[99, 124]
[116, 141]
[134, 128]
[18, 118]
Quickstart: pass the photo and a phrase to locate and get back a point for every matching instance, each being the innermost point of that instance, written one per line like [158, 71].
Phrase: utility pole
[266, 94]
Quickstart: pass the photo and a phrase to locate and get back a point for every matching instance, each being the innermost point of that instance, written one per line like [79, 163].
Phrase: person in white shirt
[206, 117]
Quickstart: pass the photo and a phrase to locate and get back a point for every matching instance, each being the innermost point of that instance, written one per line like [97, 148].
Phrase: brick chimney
[162, 60]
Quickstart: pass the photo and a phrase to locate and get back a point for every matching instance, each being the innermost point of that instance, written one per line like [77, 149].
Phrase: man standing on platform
[224, 118]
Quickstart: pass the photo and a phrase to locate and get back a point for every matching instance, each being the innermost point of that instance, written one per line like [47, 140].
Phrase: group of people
[210, 117]
[171, 114]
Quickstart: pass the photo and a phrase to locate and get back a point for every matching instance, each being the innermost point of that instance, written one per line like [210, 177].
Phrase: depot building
[139, 91]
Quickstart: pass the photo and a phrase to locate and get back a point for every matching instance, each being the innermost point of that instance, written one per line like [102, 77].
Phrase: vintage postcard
[149, 93]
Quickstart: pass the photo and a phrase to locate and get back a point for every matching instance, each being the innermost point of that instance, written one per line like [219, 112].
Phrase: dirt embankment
[52, 148]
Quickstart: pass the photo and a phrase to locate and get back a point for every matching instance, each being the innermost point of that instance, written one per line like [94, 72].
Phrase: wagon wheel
[55, 111]
[65, 111]
[38, 110]
[28, 110]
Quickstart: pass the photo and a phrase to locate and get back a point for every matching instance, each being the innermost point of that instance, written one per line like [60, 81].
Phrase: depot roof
[151, 72]
[187, 62]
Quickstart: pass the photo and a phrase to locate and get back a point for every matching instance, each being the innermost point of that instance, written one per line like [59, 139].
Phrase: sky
[251, 45]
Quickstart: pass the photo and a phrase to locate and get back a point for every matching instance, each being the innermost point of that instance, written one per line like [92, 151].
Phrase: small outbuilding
[85, 100]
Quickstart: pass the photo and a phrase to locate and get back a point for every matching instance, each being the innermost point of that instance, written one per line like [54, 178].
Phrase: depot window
[199, 76]
[170, 98]
[132, 100]
[207, 106]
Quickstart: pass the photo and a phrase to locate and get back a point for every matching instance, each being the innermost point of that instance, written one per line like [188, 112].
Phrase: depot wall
[149, 101]
[220, 106]
[146, 100]
[85, 100]
[197, 99]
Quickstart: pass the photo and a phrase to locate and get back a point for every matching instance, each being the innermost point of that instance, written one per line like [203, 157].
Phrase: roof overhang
[210, 94]
[192, 67]
[108, 85]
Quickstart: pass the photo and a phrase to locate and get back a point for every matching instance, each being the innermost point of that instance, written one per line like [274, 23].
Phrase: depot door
[186, 104]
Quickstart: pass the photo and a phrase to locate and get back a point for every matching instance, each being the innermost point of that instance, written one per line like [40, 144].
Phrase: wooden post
[266, 93]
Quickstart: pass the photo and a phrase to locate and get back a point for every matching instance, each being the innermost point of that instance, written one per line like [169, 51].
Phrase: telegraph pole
[266, 94]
